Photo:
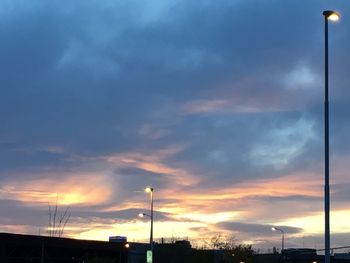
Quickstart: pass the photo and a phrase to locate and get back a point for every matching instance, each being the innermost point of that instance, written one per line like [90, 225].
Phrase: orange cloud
[197, 204]
[155, 163]
[69, 190]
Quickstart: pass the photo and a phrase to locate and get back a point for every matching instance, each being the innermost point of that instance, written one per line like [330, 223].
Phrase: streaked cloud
[71, 190]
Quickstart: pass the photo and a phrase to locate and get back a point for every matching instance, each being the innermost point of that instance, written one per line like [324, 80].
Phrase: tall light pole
[332, 16]
[150, 191]
[282, 232]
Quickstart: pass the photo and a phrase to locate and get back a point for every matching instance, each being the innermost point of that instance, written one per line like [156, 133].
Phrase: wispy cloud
[69, 190]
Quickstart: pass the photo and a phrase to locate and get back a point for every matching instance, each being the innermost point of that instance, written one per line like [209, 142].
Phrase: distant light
[149, 190]
[141, 215]
[273, 228]
[127, 245]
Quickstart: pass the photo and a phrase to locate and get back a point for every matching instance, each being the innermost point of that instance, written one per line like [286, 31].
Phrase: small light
[149, 190]
[273, 228]
[141, 215]
[127, 245]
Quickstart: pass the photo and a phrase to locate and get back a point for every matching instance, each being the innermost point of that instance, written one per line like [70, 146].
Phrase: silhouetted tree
[57, 220]
[232, 253]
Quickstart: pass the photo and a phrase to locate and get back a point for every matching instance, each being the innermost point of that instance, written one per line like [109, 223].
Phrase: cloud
[302, 78]
[67, 189]
[218, 105]
[283, 144]
[255, 229]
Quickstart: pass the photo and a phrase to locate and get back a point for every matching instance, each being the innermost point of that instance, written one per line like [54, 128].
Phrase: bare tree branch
[57, 220]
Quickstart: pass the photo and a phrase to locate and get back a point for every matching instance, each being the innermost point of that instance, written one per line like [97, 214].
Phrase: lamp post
[278, 229]
[332, 16]
[150, 191]
[124, 258]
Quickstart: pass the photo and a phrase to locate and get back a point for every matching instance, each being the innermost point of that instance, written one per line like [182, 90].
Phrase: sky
[217, 105]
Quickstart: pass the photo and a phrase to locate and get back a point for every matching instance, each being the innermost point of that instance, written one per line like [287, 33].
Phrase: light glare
[334, 17]
[148, 190]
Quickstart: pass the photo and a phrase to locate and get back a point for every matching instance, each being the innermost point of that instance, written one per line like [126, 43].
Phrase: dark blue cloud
[85, 80]
[90, 81]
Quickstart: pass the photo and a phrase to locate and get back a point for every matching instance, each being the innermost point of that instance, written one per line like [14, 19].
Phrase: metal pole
[282, 232]
[326, 149]
[151, 234]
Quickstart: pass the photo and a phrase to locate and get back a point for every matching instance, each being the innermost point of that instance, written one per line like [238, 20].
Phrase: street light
[332, 16]
[150, 191]
[143, 215]
[278, 229]
[122, 258]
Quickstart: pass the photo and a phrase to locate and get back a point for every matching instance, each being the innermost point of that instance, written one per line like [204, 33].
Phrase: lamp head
[331, 15]
[127, 245]
[141, 215]
[273, 228]
[149, 190]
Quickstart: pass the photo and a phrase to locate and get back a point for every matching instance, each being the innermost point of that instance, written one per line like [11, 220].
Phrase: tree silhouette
[57, 220]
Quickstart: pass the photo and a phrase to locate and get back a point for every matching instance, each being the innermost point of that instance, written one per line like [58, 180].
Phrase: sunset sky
[218, 105]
